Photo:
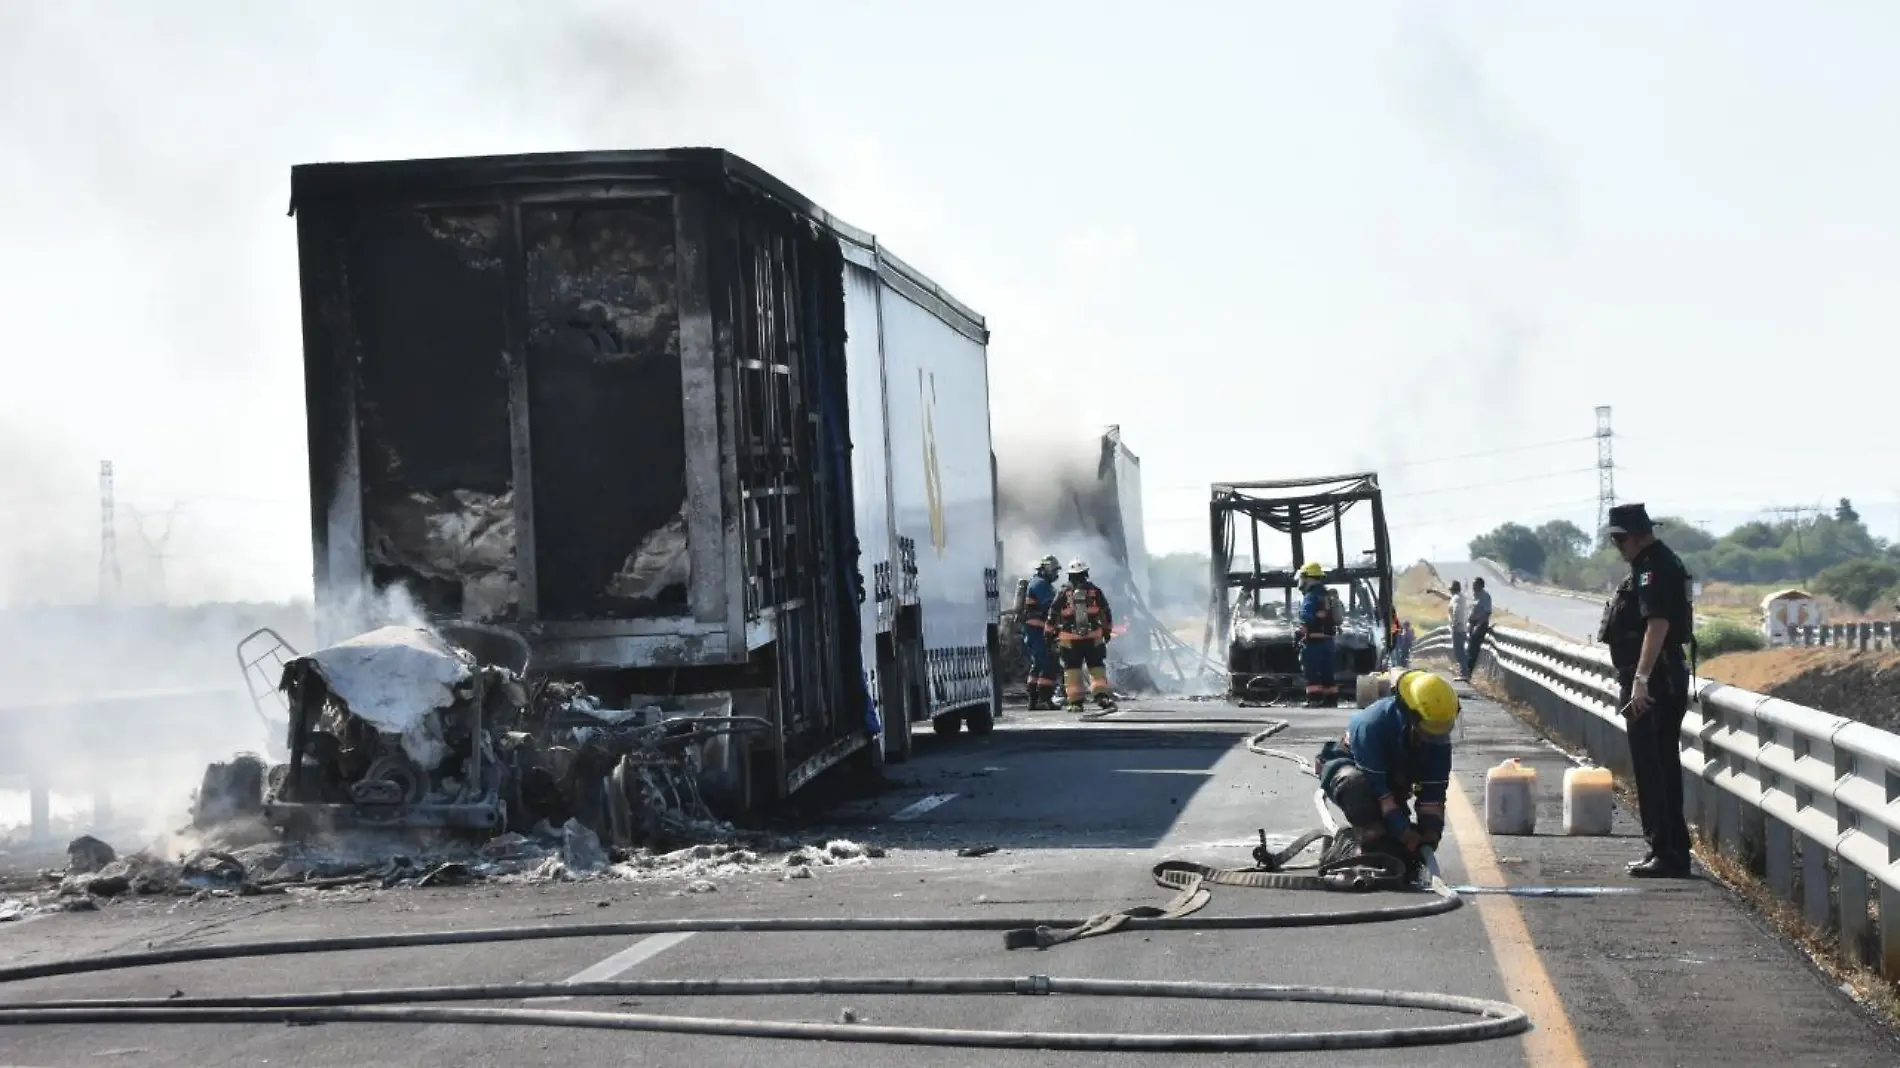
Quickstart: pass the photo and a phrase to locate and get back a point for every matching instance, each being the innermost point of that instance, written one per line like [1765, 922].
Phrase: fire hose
[425, 1004]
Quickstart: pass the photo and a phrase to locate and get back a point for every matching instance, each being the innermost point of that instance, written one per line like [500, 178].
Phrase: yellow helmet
[1430, 696]
[1312, 569]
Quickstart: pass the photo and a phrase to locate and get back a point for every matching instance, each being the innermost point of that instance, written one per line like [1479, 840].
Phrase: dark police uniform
[1657, 588]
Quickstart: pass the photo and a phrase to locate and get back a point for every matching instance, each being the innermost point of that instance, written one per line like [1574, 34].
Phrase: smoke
[1448, 93]
[1511, 213]
[153, 314]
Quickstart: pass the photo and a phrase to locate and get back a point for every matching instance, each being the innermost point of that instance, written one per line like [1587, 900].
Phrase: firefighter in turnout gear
[1394, 749]
[1035, 619]
[1319, 622]
[1080, 621]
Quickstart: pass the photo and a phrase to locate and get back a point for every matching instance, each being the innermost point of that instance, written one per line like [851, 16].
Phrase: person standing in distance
[1455, 617]
[1477, 626]
[1646, 624]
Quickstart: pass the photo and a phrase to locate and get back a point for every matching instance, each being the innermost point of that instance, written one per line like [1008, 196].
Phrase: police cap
[1630, 519]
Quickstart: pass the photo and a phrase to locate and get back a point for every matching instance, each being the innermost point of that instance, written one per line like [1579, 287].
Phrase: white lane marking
[917, 808]
[626, 960]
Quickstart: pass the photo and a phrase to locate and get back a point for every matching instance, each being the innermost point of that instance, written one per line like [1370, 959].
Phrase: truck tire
[981, 720]
[947, 724]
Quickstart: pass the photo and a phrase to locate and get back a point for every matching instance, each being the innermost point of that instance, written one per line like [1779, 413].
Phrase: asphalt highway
[1573, 617]
[1076, 814]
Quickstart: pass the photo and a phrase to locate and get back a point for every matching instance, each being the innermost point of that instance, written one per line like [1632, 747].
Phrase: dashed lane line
[624, 961]
[917, 808]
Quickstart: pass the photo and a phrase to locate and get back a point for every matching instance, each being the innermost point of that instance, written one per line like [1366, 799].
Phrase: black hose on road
[1493, 1019]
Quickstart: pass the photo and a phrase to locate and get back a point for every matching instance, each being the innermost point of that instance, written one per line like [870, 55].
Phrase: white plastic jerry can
[1589, 800]
[1510, 799]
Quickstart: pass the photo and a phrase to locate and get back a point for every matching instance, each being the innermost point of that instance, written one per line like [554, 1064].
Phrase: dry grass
[1823, 948]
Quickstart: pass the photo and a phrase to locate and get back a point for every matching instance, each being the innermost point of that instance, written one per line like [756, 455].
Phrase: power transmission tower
[111, 585]
[155, 547]
[1606, 471]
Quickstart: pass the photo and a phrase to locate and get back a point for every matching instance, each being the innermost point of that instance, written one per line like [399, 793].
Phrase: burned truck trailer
[674, 425]
[1254, 615]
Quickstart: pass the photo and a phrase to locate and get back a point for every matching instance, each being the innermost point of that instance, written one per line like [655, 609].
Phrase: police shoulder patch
[1646, 578]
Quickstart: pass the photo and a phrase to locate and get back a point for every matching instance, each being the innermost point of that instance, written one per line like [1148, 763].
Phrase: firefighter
[1036, 604]
[1397, 747]
[1080, 619]
[1319, 622]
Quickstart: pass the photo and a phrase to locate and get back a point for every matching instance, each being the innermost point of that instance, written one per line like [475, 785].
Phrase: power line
[1500, 451]
[1488, 485]
[1416, 493]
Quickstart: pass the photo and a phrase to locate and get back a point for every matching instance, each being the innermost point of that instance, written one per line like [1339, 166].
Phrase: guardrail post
[1817, 895]
[1855, 922]
[1889, 931]
[1779, 861]
[1866, 635]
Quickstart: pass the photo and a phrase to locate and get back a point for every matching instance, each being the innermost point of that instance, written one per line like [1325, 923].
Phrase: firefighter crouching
[1080, 620]
[1398, 746]
[1319, 623]
[1035, 619]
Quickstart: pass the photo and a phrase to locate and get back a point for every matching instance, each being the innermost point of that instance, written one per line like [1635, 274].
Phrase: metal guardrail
[1854, 637]
[1809, 801]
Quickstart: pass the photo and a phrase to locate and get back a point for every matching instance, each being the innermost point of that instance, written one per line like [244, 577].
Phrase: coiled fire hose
[425, 1005]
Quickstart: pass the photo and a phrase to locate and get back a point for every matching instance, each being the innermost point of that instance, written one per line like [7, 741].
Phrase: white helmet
[1078, 566]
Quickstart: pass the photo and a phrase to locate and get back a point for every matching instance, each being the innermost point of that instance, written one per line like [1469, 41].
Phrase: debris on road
[87, 854]
[976, 851]
[439, 729]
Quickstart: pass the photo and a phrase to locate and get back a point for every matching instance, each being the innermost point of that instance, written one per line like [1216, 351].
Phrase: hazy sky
[1268, 239]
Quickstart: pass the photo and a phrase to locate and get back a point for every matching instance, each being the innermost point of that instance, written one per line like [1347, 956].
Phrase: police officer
[1319, 622]
[1646, 624]
[1036, 603]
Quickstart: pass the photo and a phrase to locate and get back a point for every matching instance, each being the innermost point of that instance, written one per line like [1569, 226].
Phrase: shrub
[1727, 636]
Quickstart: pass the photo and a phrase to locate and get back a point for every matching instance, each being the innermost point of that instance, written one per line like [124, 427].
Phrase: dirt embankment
[1860, 686]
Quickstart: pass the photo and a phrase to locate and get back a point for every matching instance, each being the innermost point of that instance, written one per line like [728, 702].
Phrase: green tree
[1684, 536]
[1844, 512]
[1563, 539]
[1514, 545]
[1857, 582]
[1756, 535]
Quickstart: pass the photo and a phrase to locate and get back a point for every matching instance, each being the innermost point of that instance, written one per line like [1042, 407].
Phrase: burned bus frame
[1267, 655]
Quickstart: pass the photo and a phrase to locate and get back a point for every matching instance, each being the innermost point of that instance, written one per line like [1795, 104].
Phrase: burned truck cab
[1255, 618]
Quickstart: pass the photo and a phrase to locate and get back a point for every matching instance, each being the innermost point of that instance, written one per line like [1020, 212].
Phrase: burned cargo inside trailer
[630, 405]
[1253, 620]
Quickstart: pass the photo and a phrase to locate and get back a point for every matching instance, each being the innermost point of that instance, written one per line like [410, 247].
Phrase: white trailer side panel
[942, 496]
[870, 472]
[1128, 500]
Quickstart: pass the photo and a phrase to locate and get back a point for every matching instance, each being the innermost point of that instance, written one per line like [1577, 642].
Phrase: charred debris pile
[426, 757]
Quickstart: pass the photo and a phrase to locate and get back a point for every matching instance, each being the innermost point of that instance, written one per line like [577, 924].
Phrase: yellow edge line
[1552, 1042]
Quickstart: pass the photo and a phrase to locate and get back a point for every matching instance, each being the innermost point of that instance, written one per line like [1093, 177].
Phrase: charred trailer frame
[1262, 655]
[627, 405]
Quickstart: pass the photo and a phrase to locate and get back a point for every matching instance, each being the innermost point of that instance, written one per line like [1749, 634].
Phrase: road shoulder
[1674, 972]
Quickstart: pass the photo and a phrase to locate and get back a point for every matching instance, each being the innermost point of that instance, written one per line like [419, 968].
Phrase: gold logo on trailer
[933, 478]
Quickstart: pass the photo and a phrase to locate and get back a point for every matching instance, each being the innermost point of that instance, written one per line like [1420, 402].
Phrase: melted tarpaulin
[396, 679]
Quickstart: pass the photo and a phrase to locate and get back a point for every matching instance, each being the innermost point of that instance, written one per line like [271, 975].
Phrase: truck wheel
[948, 724]
[981, 720]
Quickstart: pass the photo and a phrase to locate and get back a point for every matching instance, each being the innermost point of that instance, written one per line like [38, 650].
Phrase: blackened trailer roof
[410, 180]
